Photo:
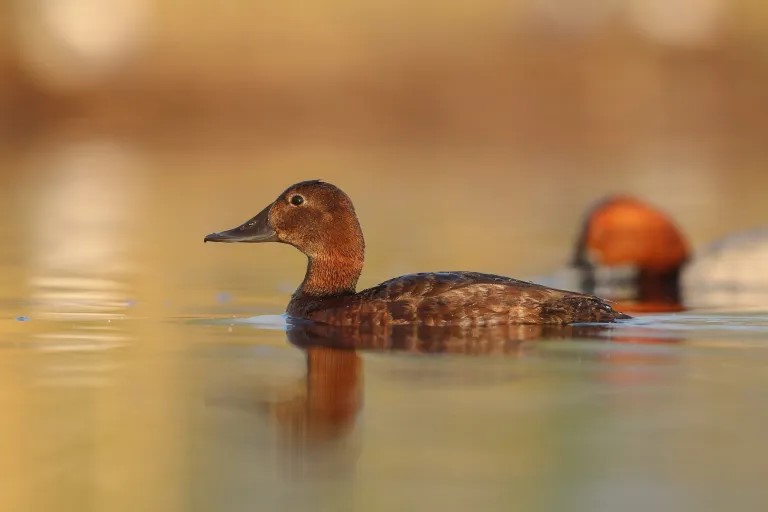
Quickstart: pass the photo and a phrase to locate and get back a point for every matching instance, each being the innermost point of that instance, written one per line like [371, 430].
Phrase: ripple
[79, 342]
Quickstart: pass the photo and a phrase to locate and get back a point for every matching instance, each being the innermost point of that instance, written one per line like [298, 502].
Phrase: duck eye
[297, 200]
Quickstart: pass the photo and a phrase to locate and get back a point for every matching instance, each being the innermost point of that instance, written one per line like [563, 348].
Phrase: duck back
[454, 298]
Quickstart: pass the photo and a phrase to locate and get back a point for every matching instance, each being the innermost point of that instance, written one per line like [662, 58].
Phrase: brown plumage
[319, 219]
[454, 298]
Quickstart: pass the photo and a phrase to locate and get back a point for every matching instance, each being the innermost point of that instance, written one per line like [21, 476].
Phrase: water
[143, 370]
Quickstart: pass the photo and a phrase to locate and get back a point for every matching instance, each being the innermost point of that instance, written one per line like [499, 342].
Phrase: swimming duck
[623, 231]
[626, 233]
[319, 219]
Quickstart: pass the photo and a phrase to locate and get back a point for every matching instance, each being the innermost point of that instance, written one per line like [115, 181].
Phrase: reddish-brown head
[622, 230]
[318, 219]
[315, 217]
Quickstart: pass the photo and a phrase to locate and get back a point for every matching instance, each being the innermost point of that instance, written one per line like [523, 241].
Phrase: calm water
[143, 370]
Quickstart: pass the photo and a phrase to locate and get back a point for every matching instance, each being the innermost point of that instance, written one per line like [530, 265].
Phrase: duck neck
[331, 275]
[659, 286]
[647, 286]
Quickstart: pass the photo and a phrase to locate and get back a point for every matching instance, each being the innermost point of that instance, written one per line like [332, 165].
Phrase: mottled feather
[455, 298]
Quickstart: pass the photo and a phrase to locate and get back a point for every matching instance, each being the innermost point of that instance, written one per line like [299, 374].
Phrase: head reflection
[314, 423]
[326, 409]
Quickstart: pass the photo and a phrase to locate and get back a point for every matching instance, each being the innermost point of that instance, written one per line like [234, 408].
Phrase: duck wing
[458, 298]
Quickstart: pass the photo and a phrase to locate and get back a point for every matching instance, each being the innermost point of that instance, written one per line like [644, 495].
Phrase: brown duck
[318, 219]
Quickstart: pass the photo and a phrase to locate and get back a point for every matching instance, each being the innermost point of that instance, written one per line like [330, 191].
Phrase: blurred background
[470, 135]
[528, 110]
[585, 77]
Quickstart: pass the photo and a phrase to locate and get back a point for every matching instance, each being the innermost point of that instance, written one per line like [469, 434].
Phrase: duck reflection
[315, 424]
[498, 339]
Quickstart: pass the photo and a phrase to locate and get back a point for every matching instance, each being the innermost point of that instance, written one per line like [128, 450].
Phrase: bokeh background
[496, 122]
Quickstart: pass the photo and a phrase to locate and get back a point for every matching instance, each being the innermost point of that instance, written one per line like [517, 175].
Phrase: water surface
[143, 370]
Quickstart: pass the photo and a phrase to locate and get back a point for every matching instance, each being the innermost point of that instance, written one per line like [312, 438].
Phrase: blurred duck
[631, 252]
[318, 219]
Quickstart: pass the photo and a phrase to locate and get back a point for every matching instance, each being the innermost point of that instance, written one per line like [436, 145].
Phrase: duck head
[622, 231]
[318, 219]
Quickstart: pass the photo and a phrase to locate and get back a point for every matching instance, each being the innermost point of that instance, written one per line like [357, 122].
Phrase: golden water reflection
[121, 391]
[199, 413]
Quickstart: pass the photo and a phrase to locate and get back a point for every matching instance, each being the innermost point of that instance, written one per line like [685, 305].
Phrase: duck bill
[254, 231]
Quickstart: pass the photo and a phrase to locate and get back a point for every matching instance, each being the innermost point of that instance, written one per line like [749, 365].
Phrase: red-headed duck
[621, 231]
[318, 219]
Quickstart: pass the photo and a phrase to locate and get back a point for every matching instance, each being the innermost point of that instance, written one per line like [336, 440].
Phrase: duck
[319, 219]
[661, 271]
[630, 249]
